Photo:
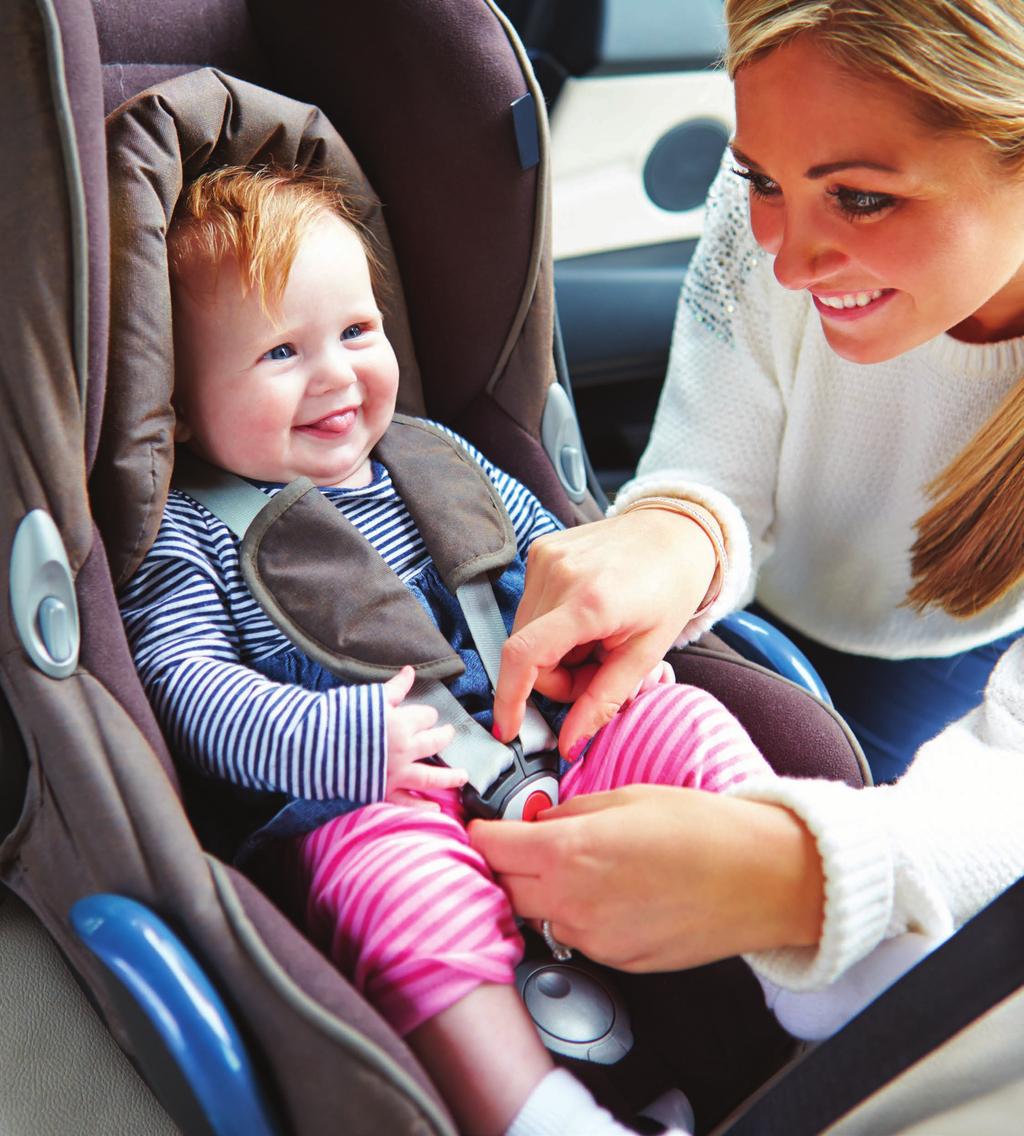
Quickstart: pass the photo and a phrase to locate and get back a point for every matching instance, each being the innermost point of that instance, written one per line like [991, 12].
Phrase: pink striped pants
[410, 912]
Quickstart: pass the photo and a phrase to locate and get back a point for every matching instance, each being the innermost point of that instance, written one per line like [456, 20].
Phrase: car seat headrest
[158, 143]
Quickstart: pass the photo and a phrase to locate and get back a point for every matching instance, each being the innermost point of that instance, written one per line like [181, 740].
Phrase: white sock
[561, 1106]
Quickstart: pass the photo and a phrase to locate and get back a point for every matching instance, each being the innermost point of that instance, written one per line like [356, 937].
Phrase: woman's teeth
[851, 300]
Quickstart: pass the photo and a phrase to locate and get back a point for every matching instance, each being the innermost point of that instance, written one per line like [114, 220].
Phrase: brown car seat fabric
[429, 113]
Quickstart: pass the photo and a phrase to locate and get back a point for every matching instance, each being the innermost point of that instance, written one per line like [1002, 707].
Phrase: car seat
[94, 834]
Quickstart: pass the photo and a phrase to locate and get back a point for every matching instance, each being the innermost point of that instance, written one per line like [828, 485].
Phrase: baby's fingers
[419, 776]
[396, 688]
[410, 800]
[428, 743]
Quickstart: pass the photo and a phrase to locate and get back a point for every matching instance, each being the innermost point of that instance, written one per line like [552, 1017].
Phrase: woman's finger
[512, 846]
[533, 657]
[529, 897]
[603, 689]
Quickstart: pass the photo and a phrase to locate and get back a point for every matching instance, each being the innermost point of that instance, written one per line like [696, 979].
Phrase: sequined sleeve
[718, 428]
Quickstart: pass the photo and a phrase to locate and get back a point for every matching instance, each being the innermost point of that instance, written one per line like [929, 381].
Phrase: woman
[843, 421]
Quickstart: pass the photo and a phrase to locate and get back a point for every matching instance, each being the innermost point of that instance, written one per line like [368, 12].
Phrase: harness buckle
[527, 787]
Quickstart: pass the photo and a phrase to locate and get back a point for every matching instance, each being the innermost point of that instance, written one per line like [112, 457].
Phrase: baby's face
[306, 390]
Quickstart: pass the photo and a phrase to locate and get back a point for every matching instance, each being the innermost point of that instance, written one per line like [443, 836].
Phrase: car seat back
[462, 177]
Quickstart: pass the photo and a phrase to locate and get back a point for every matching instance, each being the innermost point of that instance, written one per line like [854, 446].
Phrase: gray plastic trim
[561, 438]
[76, 195]
[43, 596]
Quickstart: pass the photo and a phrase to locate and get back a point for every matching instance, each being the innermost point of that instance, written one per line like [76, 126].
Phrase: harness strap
[230, 498]
[480, 607]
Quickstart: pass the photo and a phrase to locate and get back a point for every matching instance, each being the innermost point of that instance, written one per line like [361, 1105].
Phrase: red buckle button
[535, 803]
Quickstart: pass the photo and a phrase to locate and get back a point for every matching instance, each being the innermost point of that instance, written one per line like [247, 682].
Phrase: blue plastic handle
[757, 640]
[166, 982]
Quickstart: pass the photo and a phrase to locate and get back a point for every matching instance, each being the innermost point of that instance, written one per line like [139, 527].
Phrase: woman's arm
[633, 583]
[925, 854]
[652, 877]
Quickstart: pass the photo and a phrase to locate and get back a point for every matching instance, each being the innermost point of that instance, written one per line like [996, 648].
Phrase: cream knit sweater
[815, 468]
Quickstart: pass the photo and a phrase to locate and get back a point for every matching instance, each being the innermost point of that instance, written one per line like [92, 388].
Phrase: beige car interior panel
[603, 130]
[60, 1070]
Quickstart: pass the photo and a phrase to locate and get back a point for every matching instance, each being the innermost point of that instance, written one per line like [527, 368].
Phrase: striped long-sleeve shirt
[196, 634]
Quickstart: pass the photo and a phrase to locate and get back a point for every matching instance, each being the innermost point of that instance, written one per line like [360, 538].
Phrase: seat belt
[972, 972]
[515, 781]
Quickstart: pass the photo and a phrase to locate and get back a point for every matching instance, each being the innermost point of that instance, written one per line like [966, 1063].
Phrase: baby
[283, 369]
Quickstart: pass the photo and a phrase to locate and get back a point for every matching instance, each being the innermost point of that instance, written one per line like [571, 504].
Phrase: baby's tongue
[337, 421]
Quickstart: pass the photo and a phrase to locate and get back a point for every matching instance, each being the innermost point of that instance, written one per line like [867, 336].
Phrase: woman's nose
[803, 256]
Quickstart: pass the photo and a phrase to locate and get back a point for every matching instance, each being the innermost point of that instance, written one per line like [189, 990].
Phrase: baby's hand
[412, 734]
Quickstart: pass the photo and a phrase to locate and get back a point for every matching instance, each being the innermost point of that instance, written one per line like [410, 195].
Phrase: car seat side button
[560, 436]
[42, 592]
[55, 629]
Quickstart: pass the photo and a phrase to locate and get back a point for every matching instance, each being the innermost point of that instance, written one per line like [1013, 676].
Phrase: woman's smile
[848, 183]
[851, 305]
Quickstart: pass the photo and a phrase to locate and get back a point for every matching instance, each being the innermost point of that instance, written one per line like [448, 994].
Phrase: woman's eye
[281, 351]
[857, 203]
[354, 331]
[760, 184]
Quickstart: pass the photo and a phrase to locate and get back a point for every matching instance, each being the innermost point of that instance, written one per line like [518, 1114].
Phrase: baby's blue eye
[281, 351]
[353, 331]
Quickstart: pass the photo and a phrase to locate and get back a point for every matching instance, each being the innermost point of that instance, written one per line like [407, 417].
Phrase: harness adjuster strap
[486, 625]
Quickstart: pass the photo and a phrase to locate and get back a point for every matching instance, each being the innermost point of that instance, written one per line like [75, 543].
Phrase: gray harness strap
[480, 607]
[232, 499]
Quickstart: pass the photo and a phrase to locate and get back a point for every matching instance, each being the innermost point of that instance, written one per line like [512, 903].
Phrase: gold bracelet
[707, 521]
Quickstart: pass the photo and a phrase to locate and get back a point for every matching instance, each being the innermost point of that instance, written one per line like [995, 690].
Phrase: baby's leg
[411, 914]
[407, 910]
[669, 735]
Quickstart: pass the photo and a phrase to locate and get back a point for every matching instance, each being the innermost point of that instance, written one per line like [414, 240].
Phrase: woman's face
[898, 232]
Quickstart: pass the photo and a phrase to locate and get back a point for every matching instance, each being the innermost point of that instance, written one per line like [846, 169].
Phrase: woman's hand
[602, 604]
[654, 877]
[413, 734]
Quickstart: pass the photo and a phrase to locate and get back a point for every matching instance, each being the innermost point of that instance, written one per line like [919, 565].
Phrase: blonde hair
[962, 61]
[258, 218]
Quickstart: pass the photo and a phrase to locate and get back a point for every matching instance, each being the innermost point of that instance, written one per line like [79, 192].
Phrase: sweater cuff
[736, 574]
[857, 864]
